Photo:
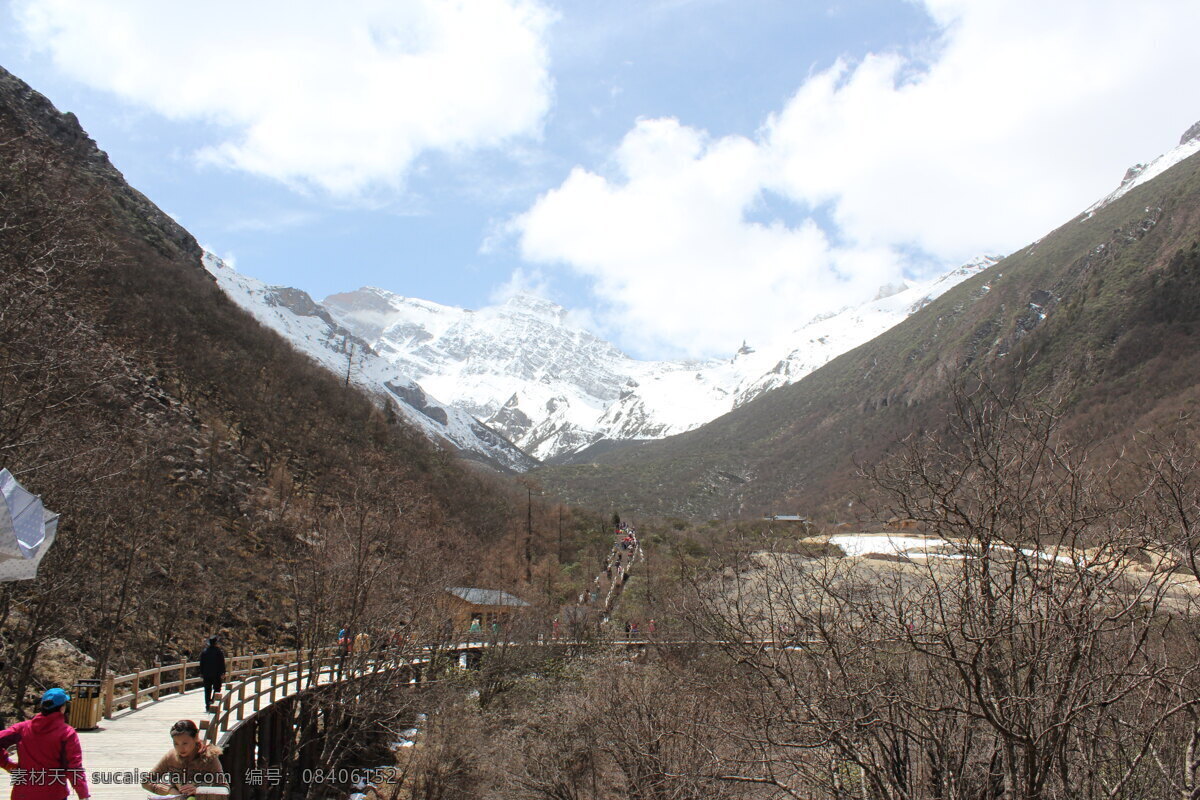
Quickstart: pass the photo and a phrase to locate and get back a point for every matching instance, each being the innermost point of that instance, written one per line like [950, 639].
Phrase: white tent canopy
[26, 530]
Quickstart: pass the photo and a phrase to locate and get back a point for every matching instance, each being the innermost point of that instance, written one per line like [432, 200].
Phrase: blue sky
[685, 174]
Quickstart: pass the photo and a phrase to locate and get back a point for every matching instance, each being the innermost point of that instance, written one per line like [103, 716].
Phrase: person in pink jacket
[49, 758]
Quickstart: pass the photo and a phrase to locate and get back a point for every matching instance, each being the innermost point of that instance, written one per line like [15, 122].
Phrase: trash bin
[83, 713]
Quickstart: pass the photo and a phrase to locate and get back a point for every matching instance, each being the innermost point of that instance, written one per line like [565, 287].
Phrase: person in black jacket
[212, 670]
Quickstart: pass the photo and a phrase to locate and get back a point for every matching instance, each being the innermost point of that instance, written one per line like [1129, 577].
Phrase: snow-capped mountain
[1189, 145]
[721, 386]
[553, 388]
[310, 329]
[541, 382]
[521, 367]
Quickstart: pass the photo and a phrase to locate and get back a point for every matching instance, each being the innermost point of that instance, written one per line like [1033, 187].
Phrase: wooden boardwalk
[131, 741]
[135, 731]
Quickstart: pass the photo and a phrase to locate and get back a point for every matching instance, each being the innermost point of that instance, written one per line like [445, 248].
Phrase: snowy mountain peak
[1190, 135]
[552, 388]
[311, 328]
[536, 306]
[536, 379]
[1189, 145]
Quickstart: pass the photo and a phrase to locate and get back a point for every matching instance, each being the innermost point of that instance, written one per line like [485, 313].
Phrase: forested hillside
[210, 478]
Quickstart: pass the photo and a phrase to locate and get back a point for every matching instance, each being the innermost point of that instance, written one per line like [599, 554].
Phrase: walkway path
[604, 592]
[131, 740]
[134, 740]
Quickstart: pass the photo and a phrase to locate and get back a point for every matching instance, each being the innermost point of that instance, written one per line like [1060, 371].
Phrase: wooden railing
[263, 686]
[304, 668]
[155, 682]
[267, 686]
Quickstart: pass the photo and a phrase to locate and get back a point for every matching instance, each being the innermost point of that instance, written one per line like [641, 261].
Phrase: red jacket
[49, 759]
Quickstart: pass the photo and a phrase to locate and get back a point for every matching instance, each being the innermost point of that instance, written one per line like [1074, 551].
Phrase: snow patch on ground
[861, 544]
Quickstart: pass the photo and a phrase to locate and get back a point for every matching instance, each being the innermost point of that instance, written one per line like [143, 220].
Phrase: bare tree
[1028, 654]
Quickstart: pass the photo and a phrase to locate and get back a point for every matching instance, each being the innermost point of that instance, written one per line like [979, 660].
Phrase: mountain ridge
[555, 388]
[1072, 306]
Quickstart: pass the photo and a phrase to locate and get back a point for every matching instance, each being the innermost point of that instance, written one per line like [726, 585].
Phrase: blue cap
[54, 698]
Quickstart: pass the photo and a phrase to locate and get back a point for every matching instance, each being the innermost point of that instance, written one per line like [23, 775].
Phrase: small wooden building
[466, 605]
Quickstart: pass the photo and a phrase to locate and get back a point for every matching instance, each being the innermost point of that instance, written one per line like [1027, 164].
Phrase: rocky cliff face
[1190, 135]
[32, 112]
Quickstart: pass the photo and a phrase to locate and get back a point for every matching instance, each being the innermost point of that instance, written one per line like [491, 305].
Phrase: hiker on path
[49, 758]
[212, 670]
[190, 763]
[343, 652]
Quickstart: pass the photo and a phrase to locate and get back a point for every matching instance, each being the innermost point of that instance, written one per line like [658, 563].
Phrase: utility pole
[649, 576]
[529, 536]
[348, 347]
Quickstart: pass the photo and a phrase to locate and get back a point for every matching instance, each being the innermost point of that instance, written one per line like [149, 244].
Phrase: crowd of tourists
[606, 587]
[616, 569]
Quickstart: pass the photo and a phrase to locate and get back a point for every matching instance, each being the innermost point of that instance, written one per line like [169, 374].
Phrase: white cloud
[1029, 111]
[1016, 119]
[669, 247]
[520, 282]
[524, 283]
[228, 257]
[339, 96]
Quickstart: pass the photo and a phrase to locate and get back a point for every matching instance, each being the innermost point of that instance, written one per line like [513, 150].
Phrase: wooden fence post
[109, 692]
